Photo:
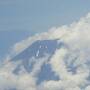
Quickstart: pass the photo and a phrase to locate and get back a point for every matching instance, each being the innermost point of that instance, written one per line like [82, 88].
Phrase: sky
[22, 18]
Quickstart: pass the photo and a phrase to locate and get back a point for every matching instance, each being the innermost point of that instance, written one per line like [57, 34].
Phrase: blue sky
[22, 18]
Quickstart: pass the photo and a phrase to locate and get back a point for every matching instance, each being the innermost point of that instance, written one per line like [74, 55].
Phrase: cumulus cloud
[9, 81]
[71, 63]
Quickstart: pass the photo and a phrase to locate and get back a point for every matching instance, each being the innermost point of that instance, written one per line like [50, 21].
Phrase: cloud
[8, 80]
[70, 62]
[87, 88]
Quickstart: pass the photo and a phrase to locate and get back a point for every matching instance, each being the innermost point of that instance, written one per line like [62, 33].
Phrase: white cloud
[9, 80]
[77, 39]
[87, 88]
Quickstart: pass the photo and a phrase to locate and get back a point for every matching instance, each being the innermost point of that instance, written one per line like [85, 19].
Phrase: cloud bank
[71, 63]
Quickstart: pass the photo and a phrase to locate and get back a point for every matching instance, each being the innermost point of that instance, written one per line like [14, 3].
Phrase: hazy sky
[21, 18]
